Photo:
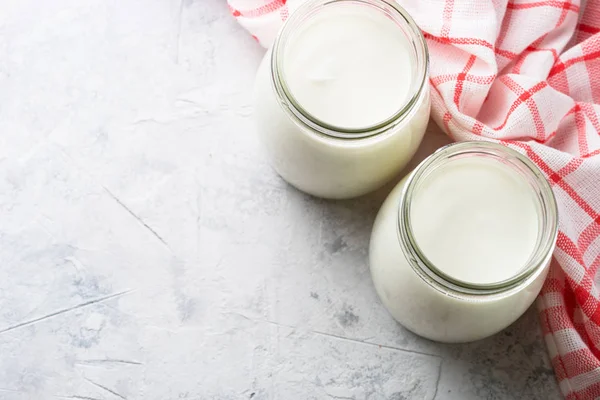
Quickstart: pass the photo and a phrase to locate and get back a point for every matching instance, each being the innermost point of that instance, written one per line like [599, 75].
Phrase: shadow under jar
[341, 98]
[461, 247]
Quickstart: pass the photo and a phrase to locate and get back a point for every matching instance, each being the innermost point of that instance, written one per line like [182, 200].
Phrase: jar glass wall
[427, 300]
[339, 160]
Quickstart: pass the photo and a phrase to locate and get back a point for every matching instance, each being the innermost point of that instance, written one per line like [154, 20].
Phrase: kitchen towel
[527, 74]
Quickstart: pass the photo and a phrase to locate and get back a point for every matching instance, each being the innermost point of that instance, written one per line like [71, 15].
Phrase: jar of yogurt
[461, 247]
[342, 97]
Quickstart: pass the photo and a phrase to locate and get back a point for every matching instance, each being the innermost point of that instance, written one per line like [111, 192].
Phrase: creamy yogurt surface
[476, 220]
[349, 66]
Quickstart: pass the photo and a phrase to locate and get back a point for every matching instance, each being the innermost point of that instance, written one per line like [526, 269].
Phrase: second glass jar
[425, 298]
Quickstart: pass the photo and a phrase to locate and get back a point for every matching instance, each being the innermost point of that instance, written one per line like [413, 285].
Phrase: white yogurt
[476, 220]
[342, 101]
[349, 66]
[479, 221]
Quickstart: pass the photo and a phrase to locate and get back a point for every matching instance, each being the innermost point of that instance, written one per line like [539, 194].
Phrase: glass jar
[428, 301]
[332, 161]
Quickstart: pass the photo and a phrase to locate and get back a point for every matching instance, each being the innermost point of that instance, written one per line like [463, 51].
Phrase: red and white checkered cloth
[525, 73]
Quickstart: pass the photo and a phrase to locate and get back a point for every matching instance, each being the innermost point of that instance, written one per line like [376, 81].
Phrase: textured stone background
[148, 251]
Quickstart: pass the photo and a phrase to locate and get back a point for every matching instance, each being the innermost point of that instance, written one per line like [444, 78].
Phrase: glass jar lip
[437, 278]
[293, 108]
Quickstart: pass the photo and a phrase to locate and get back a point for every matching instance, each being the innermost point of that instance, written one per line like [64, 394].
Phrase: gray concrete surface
[148, 251]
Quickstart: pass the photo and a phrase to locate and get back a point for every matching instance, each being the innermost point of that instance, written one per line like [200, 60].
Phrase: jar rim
[542, 253]
[304, 118]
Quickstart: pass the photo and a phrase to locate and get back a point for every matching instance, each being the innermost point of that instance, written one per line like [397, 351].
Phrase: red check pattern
[527, 74]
